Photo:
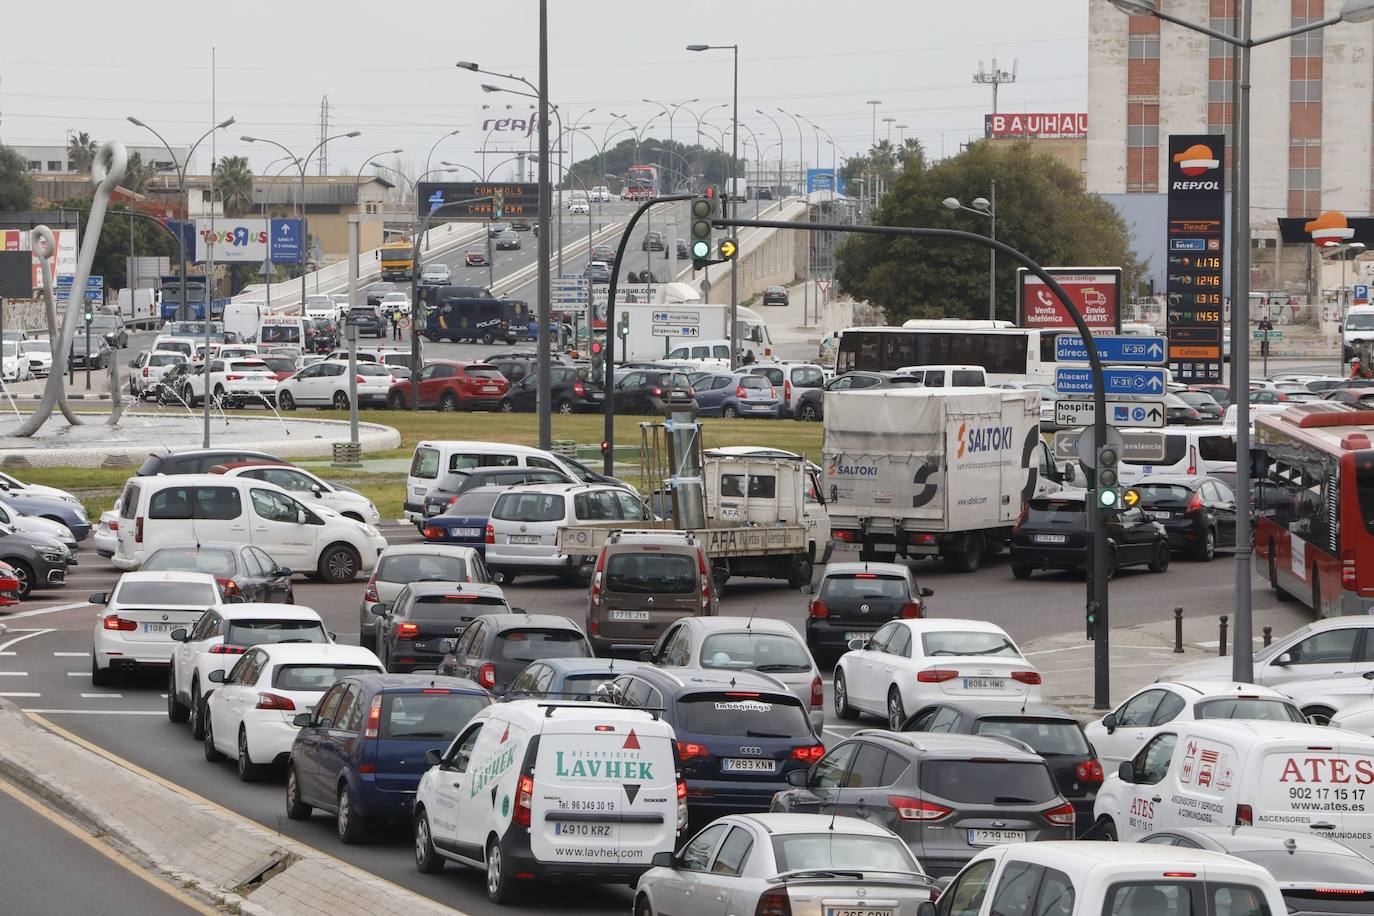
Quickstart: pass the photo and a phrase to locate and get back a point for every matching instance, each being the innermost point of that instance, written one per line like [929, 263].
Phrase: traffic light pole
[1097, 587]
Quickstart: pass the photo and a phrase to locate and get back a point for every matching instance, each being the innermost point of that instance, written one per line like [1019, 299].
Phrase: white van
[1312, 779]
[245, 317]
[282, 332]
[186, 346]
[434, 458]
[573, 790]
[1191, 450]
[200, 508]
[948, 376]
[702, 355]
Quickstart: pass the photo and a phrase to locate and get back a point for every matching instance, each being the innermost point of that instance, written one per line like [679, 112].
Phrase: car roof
[291, 653]
[1078, 855]
[849, 569]
[597, 664]
[1211, 689]
[375, 682]
[537, 712]
[166, 576]
[950, 624]
[742, 624]
[981, 707]
[1246, 731]
[693, 680]
[503, 622]
[235, 465]
[422, 548]
[951, 744]
[262, 609]
[199, 546]
[788, 823]
[483, 589]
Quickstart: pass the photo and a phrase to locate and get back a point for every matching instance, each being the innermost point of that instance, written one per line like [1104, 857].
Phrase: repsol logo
[1196, 186]
[854, 470]
[984, 439]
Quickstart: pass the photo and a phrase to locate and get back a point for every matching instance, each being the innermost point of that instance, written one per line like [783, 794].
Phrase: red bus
[640, 183]
[1314, 505]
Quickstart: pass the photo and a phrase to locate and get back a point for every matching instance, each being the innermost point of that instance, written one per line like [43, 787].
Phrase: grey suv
[946, 796]
[642, 583]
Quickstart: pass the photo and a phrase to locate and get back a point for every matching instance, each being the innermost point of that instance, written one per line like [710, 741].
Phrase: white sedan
[134, 622]
[910, 662]
[325, 384]
[251, 715]
[308, 488]
[1119, 734]
[1321, 698]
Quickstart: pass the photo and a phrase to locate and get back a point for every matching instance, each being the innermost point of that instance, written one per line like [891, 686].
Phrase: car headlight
[370, 531]
[49, 553]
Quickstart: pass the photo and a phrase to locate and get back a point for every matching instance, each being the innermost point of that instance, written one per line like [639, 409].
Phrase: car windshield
[768, 652]
[474, 502]
[1360, 321]
[1047, 737]
[484, 372]
[280, 363]
[458, 604]
[747, 714]
[38, 346]
[1266, 708]
[968, 642]
[980, 781]
[1197, 399]
[434, 715]
[263, 632]
[192, 559]
[166, 359]
[583, 686]
[193, 594]
[1151, 493]
[532, 645]
[316, 677]
[529, 507]
[841, 852]
[863, 585]
[405, 568]
[1055, 512]
[374, 369]
[661, 573]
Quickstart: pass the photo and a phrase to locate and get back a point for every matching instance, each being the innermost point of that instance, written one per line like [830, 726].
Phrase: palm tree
[234, 180]
[138, 174]
[81, 151]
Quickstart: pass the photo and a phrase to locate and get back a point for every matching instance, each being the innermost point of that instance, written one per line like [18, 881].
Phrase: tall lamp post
[733, 197]
[1354, 11]
[873, 104]
[984, 207]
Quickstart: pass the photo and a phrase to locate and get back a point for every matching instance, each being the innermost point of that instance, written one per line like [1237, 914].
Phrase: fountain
[131, 432]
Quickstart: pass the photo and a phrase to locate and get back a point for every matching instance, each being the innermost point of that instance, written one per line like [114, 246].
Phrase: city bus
[1007, 353]
[640, 183]
[1313, 466]
[398, 260]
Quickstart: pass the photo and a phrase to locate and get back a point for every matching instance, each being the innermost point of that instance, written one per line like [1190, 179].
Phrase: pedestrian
[1357, 370]
[533, 329]
[395, 324]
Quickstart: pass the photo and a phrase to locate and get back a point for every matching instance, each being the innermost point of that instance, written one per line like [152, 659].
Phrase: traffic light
[728, 249]
[90, 313]
[598, 361]
[498, 204]
[622, 327]
[1108, 479]
[703, 211]
[1093, 609]
[605, 447]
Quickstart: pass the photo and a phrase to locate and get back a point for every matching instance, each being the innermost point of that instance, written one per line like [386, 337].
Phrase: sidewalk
[235, 862]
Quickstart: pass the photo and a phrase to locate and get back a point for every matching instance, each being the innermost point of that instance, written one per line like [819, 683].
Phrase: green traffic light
[701, 249]
[1107, 499]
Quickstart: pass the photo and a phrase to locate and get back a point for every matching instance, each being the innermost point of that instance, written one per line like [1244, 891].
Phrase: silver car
[801, 864]
[403, 564]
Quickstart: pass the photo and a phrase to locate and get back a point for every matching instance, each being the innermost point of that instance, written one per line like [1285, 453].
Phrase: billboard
[1196, 255]
[1036, 126]
[18, 240]
[823, 180]
[519, 201]
[1096, 291]
[245, 241]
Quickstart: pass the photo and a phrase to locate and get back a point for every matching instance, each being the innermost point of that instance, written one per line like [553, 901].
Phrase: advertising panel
[1096, 291]
[1197, 206]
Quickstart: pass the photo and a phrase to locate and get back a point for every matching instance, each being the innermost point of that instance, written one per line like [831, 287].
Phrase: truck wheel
[968, 558]
[432, 336]
[801, 571]
[488, 339]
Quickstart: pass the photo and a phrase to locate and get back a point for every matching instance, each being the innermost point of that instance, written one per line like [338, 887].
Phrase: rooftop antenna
[995, 77]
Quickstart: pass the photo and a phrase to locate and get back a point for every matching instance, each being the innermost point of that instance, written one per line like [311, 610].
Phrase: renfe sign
[1095, 291]
[1043, 125]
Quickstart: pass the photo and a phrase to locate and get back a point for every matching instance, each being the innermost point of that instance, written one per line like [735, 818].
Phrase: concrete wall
[1106, 166]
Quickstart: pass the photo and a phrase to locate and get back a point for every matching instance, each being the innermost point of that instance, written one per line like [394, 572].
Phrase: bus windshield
[1011, 353]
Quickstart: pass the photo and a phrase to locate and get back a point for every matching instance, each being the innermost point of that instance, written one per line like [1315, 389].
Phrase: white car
[1321, 698]
[601, 193]
[146, 372]
[237, 351]
[251, 714]
[33, 524]
[579, 208]
[393, 301]
[401, 565]
[1321, 649]
[908, 663]
[215, 642]
[1357, 717]
[39, 355]
[11, 484]
[105, 537]
[14, 366]
[1119, 734]
[135, 621]
[523, 529]
[325, 384]
[308, 488]
[438, 274]
[246, 381]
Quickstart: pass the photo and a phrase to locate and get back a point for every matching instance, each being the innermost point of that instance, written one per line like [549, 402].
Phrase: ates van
[536, 789]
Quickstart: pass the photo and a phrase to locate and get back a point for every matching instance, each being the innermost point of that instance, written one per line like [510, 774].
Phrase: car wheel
[896, 715]
[729, 412]
[212, 753]
[339, 564]
[197, 713]
[101, 677]
[808, 412]
[340, 400]
[432, 336]
[396, 400]
[296, 809]
[219, 393]
[1207, 548]
[1021, 570]
[285, 401]
[565, 406]
[842, 708]
[427, 860]
[500, 884]
[449, 402]
[488, 339]
[248, 770]
[1111, 562]
[643, 907]
[1161, 561]
[24, 573]
[1105, 830]
[506, 406]
[176, 710]
[349, 824]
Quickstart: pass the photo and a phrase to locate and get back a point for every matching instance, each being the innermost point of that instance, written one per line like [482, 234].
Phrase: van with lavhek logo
[1309, 779]
[548, 789]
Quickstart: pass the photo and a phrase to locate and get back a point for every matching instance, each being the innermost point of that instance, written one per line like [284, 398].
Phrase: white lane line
[14, 674]
[18, 639]
[9, 653]
[18, 695]
[95, 712]
[102, 696]
[78, 674]
[47, 610]
[1064, 649]
[71, 655]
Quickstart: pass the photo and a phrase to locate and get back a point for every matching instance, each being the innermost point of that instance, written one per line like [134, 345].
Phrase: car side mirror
[925, 908]
[1126, 772]
[1284, 660]
[807, 589]
[498, 578]
[377, 610]
[215, 677]
[447, 646]
[799, 778]
[662, 860]
[303, 720]
[318, 491]
[927, 592]
[586, 570]
[285, 571]
[433, 758]
[1109, 722]
[646, 655]
[99, 598]
[178, 635]
[857, 643]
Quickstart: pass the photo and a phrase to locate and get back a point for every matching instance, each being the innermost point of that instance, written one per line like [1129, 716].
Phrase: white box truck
[656, 329]
[244, 318]
[932, 472]
[139, 305]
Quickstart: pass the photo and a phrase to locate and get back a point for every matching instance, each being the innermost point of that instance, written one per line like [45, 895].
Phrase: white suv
[149, 368]
[522, 532]
[246, 381]
[791, 379]
[134, 628]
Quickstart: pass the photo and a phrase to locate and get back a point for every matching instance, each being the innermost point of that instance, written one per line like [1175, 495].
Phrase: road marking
[78, 674]
[72, 654]
[97, 712]
[47, 610]
[1064, 649]
[15, 696]
[18, 639]
[104, 849]
[102, 696]
[14, 674]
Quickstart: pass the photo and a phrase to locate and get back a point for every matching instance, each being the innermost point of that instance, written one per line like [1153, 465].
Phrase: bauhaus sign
[1036, 125]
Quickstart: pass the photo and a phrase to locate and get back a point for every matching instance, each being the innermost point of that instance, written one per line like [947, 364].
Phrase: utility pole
[995, 78]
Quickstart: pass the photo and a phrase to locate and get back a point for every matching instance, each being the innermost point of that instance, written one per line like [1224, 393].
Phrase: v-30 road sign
[1115, 380]
[1138, 351]
[1074, 412]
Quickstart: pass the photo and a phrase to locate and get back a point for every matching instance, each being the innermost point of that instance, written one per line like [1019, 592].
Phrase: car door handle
[1322, 825]
[1156, 798]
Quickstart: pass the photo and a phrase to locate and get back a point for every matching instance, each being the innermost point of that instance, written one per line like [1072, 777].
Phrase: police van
[543, 789]
[1309, 779]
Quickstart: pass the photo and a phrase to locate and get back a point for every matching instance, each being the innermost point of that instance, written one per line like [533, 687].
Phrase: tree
[112, 251]
[881, 164]
[234, 181]
[1042, 210]
[15, 191]
[138, 174]
[706, 165]
[81, 152]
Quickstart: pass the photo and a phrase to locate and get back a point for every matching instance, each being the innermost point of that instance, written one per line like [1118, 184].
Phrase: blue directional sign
[95, 288]
[1141, 351]
[285, 241]
[1116, 380]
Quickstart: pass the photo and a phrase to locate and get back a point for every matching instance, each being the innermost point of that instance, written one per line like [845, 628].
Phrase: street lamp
[874, 103]
[782, 147]
[984, 207]
[1354, 11]
[889, 122]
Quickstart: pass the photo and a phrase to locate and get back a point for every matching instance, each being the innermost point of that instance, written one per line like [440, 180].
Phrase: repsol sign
[1196, 186]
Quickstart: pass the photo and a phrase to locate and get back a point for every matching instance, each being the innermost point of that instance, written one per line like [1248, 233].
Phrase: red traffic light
[596, 348]
[605, 446]
[710, 191]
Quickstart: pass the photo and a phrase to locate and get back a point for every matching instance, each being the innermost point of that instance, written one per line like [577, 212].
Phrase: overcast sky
[388, 69]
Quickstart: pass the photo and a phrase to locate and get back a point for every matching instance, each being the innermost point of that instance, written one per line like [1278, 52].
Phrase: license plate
[464, 532]
[596, 396]
[746, 765]
[995, 837]
[489, 389]
[860, 911]
[857, 634]
[161, 627]
[601, 830]
[984, 683]
[1051, 538]
[885, 548]
[629, 615]
[523, 539]
[1162, 516]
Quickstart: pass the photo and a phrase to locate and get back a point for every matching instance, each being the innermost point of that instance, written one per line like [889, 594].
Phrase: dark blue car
[361, 753]
[464, 522]
[739, 733]
[569, 678]
[53, 508]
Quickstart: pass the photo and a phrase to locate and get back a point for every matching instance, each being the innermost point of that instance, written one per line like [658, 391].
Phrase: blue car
[361, 752]
[737, 394]
[64, 511]
[739, 733]
[464, 522]
[569, 678]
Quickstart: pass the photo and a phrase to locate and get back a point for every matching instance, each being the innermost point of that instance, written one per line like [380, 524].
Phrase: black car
[649, 392]
[520, 363]
[453, 484]
[1220, 393]
[1198, 513]
[240, 569]
[198, 461]
[521, 225]
[1052, 533]
[1051, 732]
[1206, 405]
[682, 251]
[368, 320]
[97, 355]
[811, 404]
[854, 599]
[775, 295]
[507, 241]
[175, 383]
[495, 229]
[653, 241]
[411, 631]
[571, 390]
[110, 327]
[495, 648]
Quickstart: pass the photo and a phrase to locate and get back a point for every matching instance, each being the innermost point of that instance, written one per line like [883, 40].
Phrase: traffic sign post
[1138, 351]
[1074, 412]
[1115, 380]
[1143, 445]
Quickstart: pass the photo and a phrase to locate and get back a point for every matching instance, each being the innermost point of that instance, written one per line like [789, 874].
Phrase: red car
[449, 385]
[281, 366]
[475, 257]
[9, 585]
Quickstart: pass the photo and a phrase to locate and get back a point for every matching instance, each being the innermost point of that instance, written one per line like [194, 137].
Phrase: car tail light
[911, 609]
[1061, 814]
[705, 573]
[1245, 816]
[740, 392]
[915, 809]
[817, 691]
[360, 380]
[1089, 771]
[579, 390]
[1020, 519]
[846, 536]
[809, 754]
[115, 622]
[486, 676]
[228, 586]
[138, 530]
[275, 701]
[223, 649]
[787, 389]
[407, 630]
[114, 526]
[1180, 874]
[524, 799]
[370, 595]
[1348, 569]
[1194, 504]
[373, 727]
[432, 532]
[145, 371]
[594, 590]
[819, 610]
[774, 902]
[491, 534]
[1026, 677]
[681, 804]
[936, 675]
[686, 750]
[233, 378]
[656, 391]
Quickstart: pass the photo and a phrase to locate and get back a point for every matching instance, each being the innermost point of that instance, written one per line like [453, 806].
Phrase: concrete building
[50, 159]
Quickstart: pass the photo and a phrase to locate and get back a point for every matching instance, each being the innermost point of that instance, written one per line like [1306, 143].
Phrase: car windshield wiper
[281, 641]
[825, 873]
[1010, 800]
[421, 735]
[750, 733]
[779, 666]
